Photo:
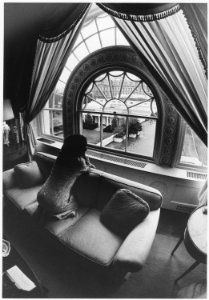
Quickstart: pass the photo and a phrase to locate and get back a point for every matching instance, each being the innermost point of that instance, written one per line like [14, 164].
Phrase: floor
[66, 279]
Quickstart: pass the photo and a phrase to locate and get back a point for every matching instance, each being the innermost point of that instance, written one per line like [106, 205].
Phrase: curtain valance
[141, 12]
[168, 49]
[61, 20]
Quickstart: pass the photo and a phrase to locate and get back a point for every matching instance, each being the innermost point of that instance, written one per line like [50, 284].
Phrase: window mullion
[121, 85]
[51, 120]
[111, 92]
[101, 130]
[98, 33]
[126, 140]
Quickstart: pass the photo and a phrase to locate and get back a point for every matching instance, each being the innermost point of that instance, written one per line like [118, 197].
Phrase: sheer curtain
[166, 44]
[50, 58]
[196, 14]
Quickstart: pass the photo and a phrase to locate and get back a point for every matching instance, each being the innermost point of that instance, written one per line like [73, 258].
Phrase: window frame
[177, 161]
[101, 148]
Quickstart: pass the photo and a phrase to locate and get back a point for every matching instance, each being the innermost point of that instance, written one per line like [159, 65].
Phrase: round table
[195, 238]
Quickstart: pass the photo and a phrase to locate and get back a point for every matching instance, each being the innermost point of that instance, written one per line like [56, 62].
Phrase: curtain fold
[50, 58]
[196, 15]
[169, 51]
[140, 11]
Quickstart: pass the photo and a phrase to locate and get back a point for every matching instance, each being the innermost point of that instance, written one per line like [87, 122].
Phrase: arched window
[171, 143]
[119, 112]
[114, 101]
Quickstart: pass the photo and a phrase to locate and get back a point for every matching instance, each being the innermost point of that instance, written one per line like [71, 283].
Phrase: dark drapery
[23, 24]
[51, 55]
[140, 11]
[165, 43]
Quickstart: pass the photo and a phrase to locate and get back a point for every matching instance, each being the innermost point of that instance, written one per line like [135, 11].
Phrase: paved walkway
[141, 145]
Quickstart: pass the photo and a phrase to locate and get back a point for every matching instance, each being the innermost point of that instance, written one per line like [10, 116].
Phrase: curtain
[166, 45]
[50, 58]
[196, 15]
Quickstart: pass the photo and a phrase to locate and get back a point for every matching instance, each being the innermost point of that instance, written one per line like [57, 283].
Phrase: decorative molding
[170, 131]
[120, 57]
[137, 13]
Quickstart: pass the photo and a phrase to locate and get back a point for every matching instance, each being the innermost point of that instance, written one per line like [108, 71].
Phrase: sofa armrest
[135, 249]
[45, 162]
[9, 179]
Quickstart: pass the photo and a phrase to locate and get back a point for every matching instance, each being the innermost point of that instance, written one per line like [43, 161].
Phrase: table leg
[177, 245]
[194, 265]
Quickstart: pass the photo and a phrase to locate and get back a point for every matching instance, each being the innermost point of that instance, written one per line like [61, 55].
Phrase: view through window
[194, 152]
[119, 112]
[111, 101]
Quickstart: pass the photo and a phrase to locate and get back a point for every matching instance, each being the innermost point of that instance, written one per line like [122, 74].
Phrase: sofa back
[95, 189]
[110, 183]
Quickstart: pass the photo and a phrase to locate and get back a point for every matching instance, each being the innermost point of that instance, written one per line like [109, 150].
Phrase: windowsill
[178, 173]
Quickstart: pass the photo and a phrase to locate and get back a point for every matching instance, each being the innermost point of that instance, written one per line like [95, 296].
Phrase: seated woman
[55, 195]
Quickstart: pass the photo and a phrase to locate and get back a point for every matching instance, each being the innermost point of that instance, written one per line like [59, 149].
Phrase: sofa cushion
[112, 182]
[57, 227]
[31, 208]
[123, 212]
[91, 239]
[45, 162]
[85, 189]
[9, 180]
[107, 188]
[22, 197]
[28, 174]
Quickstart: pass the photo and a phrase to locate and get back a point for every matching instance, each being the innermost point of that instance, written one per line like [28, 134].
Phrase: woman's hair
[74, 147]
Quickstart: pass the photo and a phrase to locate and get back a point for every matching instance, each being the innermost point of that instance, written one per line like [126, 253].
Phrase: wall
[178, 193]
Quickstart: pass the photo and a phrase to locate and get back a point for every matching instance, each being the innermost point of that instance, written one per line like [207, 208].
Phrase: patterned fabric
[55, 195]
[123, 212]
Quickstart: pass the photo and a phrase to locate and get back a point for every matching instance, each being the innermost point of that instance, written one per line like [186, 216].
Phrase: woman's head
[75, 144]
[74, 147]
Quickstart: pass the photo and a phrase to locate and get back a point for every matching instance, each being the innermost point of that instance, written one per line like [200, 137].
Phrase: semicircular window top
[96, 33]
[119, 112]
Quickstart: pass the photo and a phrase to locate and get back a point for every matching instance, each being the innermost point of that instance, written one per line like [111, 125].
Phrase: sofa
[85, 234]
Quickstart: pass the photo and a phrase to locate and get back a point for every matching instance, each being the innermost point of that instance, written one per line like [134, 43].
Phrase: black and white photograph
[104, 149]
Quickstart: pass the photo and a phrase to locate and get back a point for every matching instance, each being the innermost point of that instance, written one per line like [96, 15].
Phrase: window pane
[101, 89]
[93, 43]
[81, 51]
[120, 39]
[71, 62]
[139, 107]
[89, 29]
[53, 124]
[105, 22]
[78, 41]
[92, 105]
[116, 105]
[194, 152]
[58, 98]
[141, 136]
[90, 127]
[65, 75]
[60, 87]
[114, 132]
[108, 37]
